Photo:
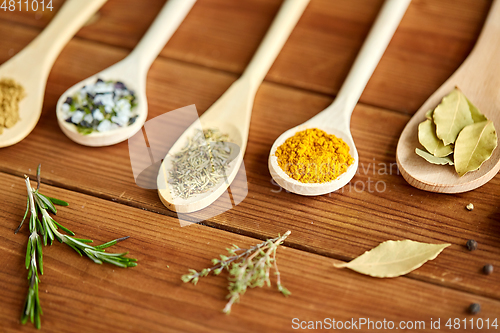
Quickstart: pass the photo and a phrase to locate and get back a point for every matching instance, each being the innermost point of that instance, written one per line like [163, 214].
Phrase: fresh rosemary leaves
[46, 228]
[246, 267]
[200, 164]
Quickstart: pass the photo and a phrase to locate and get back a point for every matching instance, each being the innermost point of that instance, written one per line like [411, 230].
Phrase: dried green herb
[201, 164]
[474, 146]
[248, 268]
[477, 116]
[394, 258]
[433, 159]
[451, 116]
[46, 228]
[428, 138]
[457, 126]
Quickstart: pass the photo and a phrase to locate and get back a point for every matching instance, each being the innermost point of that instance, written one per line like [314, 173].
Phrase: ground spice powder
[314, 156]
[10, 95]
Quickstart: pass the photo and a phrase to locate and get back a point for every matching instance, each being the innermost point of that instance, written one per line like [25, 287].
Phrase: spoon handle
[270, 47]
[488, 41]
[158, 34]
[367, 60]
[69, 19]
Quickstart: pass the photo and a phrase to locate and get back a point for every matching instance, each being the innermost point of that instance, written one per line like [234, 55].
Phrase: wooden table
[209, 51]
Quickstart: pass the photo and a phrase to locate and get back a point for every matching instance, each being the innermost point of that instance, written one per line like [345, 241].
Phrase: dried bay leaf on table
[433, 159]
[451, 116]
[394, 258]
[474, 146]
[428, 138]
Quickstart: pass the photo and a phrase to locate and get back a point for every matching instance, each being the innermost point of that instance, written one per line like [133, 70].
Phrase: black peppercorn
[488, 269]
[474, 308]
[471, 245]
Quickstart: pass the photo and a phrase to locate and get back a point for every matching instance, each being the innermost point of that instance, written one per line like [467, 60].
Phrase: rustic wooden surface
[209, 51]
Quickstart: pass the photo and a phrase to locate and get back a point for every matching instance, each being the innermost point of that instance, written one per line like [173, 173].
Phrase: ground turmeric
[314, 156]
[10, 95]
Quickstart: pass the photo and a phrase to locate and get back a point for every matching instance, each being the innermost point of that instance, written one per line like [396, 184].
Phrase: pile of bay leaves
[457, 133]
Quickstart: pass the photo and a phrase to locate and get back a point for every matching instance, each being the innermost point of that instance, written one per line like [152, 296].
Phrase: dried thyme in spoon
[200, 165]
[248, 268]
[47, 228]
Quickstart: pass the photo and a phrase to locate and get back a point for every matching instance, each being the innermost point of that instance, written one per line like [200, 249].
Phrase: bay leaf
[474, 146]
[477, 116]
[394, 258]
[428, 114]
[451, 116]
[433, 159]
[428, 138]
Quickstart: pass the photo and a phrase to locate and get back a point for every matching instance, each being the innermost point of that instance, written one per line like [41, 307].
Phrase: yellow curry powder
[10, 95]
[314, 156]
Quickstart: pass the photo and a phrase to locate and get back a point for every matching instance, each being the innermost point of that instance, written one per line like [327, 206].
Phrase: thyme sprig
[247, 268]
[46, 229]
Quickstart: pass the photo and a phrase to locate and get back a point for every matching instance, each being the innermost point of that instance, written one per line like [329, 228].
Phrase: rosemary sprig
[46, 228]
[32, 308]
[246, 267]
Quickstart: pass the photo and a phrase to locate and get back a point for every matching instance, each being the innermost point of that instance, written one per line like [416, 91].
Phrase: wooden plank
[340, 225]
[76, 294]
[432, 41]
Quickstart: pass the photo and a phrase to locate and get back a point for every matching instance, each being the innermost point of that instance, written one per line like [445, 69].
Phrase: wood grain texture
[201, 61]
[359, 218]
[151, 297]
[433, 39]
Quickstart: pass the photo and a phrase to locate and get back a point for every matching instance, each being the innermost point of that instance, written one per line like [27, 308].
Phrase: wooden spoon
[479, 79]
[336, 118]
[31, 66]
[232, 111]
[132, 71]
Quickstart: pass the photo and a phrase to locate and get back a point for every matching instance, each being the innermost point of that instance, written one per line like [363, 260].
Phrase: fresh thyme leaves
[200, 164]
[246, 267]
[46, 228]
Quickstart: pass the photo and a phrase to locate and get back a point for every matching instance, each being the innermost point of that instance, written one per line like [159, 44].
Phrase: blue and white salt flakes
[98, 115]
[77, 117]
[88, 118]
[106, 125]
[102, 106]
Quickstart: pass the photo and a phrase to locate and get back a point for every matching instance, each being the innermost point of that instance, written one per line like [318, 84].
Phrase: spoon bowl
[125, 72]
[479, 79]
[309, 189]
[336, 118]
[132, 71]
[197, 202]
[31, 67]
[33, 80]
